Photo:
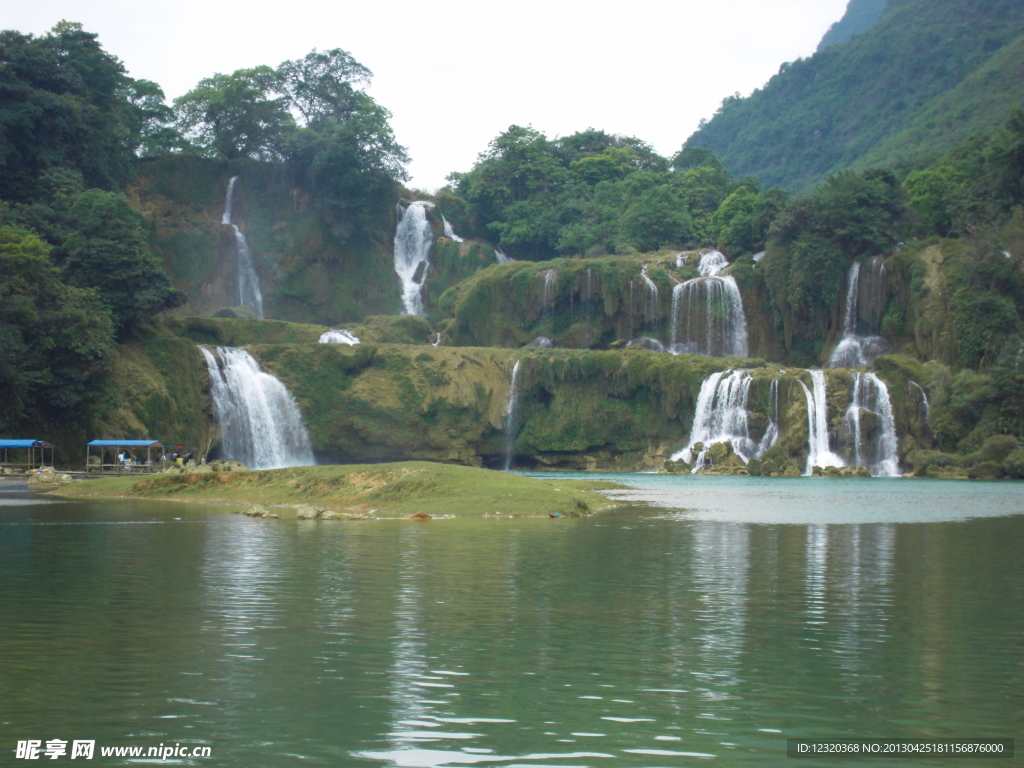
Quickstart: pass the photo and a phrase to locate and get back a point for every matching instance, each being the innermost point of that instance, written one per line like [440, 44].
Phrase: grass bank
[385, 490]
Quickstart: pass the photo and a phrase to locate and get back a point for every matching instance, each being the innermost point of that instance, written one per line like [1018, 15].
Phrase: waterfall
[721, 416]
[707, 317]
[712, 264]
[651, 298]
[819, 454]
[771, 435]
[927, 406]
[249, 293]
[413, 238]
[501, 258]
[510, 417]
[853, 350]
[260, 422]
[550, 277]
[870, 395]
[338, 336]
[449, 232]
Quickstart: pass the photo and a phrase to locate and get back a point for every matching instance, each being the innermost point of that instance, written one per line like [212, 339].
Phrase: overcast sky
[456, 73]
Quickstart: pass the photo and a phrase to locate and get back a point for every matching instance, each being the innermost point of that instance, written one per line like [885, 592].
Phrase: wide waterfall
[249, 293]
[259, 420]
[819, 454]
[413, 239]
[707, 313]
[721, 416]
[865, 302]
[449, 232]
[338, 336]
[510, 417]
[871, 396]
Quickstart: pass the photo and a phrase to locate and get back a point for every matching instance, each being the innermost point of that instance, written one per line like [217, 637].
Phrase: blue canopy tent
[34, 451]
[122, 455]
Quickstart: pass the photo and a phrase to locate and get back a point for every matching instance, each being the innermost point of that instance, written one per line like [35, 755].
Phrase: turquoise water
[704, 624]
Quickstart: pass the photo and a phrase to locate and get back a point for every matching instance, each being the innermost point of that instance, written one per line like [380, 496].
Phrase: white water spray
[510, 417]
[854, 351]
[707, 313]
[819, 454]
[249, 293]
[413, 238]
[501, 258]
[870, 395]
[449, 232]
[338, 336]
[260, 421]
[721, 416]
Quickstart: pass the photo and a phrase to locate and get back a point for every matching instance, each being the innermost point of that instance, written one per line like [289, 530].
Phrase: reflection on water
[633, 639]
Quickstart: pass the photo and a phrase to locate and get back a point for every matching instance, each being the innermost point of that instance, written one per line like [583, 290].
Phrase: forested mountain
[927, 75]
[860, 16]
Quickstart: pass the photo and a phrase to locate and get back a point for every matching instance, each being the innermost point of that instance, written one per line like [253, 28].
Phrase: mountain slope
[901, 76]
[860, 16]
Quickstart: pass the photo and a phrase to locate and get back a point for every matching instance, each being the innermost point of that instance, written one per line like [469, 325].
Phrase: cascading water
[338, 336]
[819, 454]
[510, 417]
[260, 421]
[721, 416]
[501, 258]
[927, 405]
[413, 239]
[853, 350]
[707, 313]
[249, 292]
[712, 264]
[550, 284]
[771, 435]
[651, 297]
[449, 232]
[870, 395]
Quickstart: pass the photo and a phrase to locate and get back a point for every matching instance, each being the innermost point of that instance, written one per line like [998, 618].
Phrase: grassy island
[362, 490]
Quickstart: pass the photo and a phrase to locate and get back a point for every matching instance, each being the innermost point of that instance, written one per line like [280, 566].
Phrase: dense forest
[927, 75]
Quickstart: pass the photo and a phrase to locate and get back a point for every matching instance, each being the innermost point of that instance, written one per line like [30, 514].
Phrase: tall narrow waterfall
[260, 422]
[413, 239]
[820, 454]
[249, 293]
[510, 417]
[771, 435]
[707, 313]
[449, 232]
[721, 416]
[865, 302]
[650, 296]
[871, 396]
[550, 286]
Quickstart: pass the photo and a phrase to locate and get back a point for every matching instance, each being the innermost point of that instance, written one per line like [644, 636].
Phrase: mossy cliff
[314, 265]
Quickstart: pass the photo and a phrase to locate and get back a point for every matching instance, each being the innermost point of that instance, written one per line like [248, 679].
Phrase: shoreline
[365, 491]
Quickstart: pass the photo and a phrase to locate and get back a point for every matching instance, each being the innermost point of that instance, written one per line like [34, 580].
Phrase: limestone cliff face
[312, 267]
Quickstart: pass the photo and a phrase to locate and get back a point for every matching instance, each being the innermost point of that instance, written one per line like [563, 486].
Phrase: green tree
[65, 103]
[236, 115]
[106, 250]
[54, 339]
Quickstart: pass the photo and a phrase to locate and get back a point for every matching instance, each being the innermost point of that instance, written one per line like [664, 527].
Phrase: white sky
[455, 73]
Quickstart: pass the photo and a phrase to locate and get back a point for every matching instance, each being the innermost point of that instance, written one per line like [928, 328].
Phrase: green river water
[702, 624]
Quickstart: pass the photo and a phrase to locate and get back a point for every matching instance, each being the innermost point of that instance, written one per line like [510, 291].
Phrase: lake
[704, 622]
